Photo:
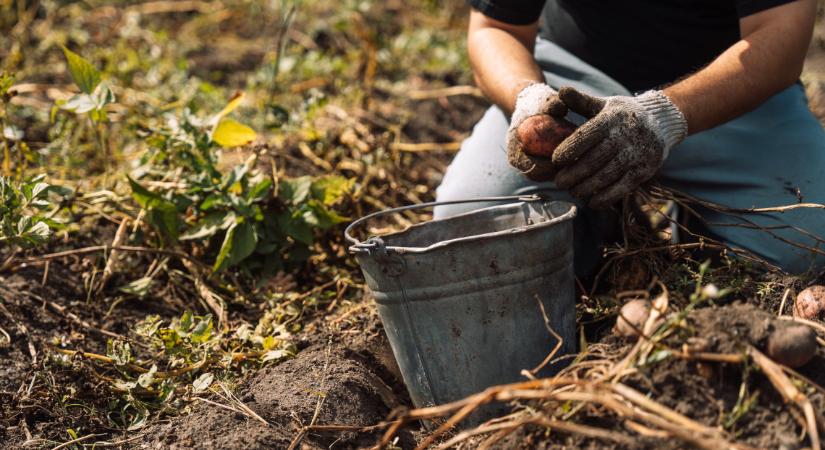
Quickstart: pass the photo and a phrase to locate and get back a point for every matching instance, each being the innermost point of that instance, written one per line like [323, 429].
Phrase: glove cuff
[670, 124]
[532, 100]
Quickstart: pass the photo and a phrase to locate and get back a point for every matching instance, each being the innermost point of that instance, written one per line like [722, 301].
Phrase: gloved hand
[533, 100]
[622, 145]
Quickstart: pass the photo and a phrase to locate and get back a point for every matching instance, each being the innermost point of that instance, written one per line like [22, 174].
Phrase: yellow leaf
[230, 133]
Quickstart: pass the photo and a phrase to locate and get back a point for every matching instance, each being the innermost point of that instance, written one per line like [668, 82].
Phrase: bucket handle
[376, 242]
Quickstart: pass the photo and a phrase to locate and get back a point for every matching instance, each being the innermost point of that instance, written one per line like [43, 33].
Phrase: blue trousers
[769, 157]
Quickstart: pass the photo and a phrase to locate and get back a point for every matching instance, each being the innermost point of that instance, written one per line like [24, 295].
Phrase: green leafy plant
[26, 212]
[263, 224]
[95, 95]
[190, 352]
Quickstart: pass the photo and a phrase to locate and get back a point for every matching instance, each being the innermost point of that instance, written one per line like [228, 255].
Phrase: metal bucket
[459, 296]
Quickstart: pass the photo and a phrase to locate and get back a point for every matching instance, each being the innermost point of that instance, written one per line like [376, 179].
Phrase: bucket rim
[376, 243]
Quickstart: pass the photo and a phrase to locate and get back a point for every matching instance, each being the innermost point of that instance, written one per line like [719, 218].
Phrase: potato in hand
[540, 135]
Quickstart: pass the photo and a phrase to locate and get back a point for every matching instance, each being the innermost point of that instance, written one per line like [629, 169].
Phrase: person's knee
[797, 261]
[796, 249]
[479, 169]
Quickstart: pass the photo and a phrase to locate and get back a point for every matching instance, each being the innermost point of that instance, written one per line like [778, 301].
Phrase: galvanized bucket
[459, 297]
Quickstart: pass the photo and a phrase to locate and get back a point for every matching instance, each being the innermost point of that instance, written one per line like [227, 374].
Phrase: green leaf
[260, 190]
[230, 133]
[213, 200]
[202, 331]
[146, 379]
[203, 382]
[325, 217]
[162, 213]
[139, 287]
[144, 197]
[295, 190]
[38, 189]
[655, 357]
[275, 355]
[79, 104]
[331, 189]
[239, 242]
[6, 82]
[171, 339]
[185, 322]
[103, 95]
[209, 225]
[295, 227]
[233, 176]
[84, 74]
[139, 420]
[120, 352]
[38, 232]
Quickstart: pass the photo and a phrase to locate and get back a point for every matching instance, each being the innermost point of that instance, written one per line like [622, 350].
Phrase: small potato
[792, 345]
[540, 135]
[810, 303]
[633, 314]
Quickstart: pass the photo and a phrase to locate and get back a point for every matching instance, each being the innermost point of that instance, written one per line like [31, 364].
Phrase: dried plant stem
[790, 393]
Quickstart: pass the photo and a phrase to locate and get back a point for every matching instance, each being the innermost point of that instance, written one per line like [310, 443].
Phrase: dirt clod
[342, 389]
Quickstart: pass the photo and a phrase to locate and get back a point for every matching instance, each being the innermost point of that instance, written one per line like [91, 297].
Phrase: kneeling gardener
[703, 95]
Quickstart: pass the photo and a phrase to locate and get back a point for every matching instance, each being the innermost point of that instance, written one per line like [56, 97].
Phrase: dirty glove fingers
[617, 191]
[554, 107]
[535, 168]
[581, 103]
[587, 165]
[583, 139]
[609, 174]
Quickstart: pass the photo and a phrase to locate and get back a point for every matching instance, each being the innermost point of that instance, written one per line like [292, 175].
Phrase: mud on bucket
[459, 297]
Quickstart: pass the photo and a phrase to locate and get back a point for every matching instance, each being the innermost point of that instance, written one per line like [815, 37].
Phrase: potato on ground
[792, 345]
[810, 303]
[632, 318]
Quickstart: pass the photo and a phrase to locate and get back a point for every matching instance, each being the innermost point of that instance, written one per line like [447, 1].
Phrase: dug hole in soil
[336, 379]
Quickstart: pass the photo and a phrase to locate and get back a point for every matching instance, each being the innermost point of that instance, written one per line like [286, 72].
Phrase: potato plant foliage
[27, 212]
[245, 219]
[243, 216]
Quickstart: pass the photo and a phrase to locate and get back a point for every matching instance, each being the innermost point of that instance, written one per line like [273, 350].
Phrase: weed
[27, 214]
[94, 97]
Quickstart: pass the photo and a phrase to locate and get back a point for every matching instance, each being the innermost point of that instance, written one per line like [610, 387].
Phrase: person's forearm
[502, 62]
[768, 59]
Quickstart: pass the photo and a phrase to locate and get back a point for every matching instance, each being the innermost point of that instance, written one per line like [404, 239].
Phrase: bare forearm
[768, 59]
[502, 61]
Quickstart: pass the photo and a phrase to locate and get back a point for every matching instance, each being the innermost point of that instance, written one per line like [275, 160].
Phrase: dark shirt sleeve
[515, 12]
[748, 7]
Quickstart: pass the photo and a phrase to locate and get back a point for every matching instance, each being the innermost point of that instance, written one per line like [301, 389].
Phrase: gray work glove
[533, 100]
[622, 145]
